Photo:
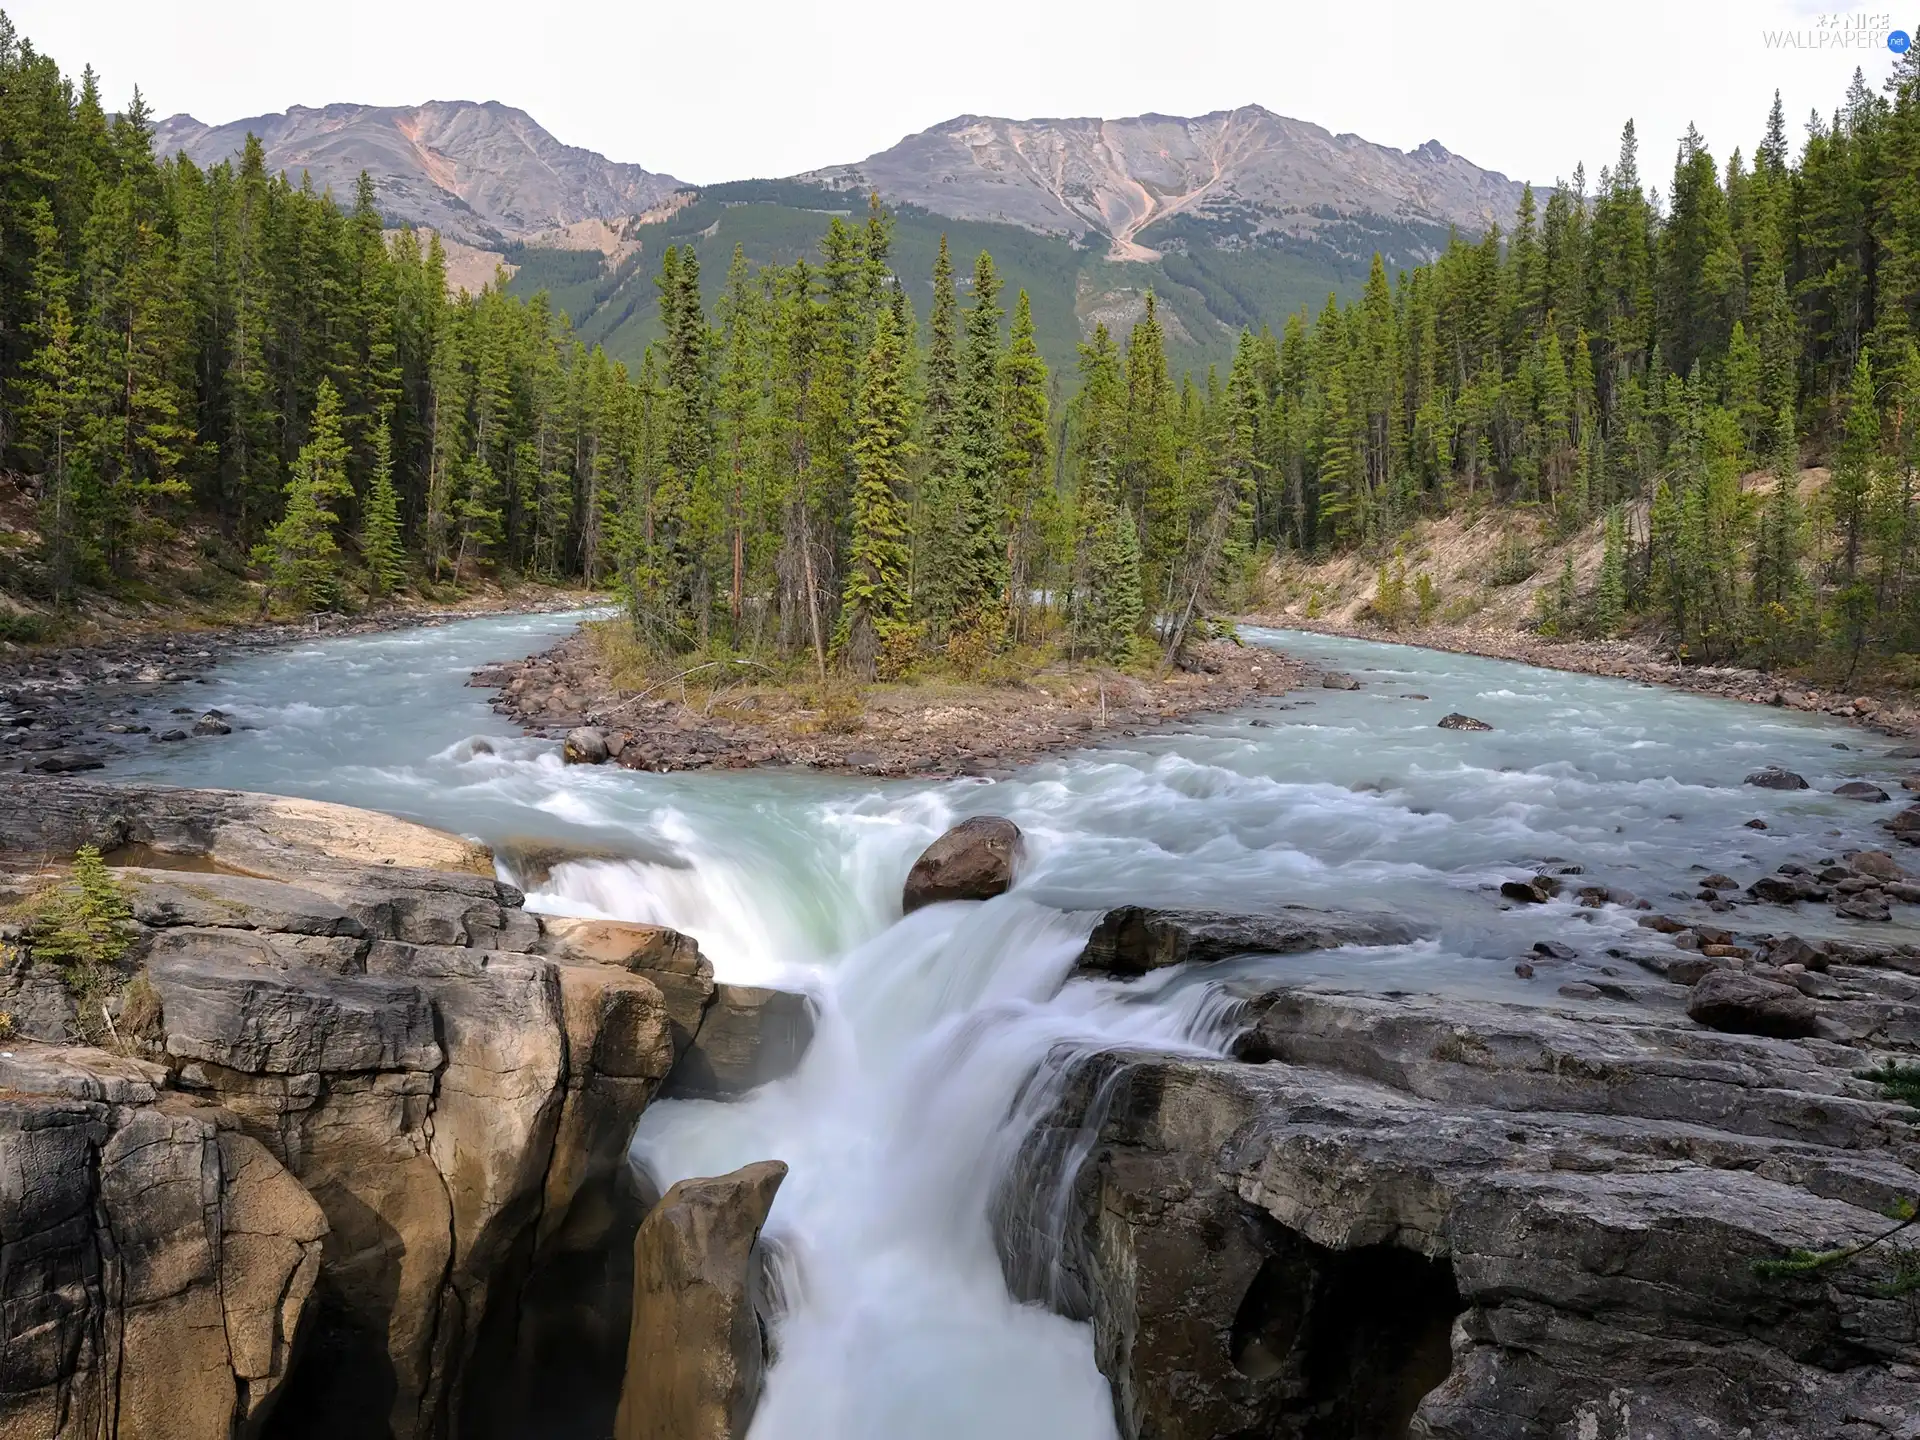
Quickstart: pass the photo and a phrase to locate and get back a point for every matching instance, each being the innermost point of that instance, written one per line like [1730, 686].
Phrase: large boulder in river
[1775, 777]
[1457, 721]
[972, 861]
[585, 745]
[1748, 1005]
[696, 1354]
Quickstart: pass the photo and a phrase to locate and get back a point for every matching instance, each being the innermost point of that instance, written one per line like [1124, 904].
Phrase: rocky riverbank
[1889, 714]
[1596, 1217]
[933, 728]
[337, 1146]
[72, 708]
[345, 1153]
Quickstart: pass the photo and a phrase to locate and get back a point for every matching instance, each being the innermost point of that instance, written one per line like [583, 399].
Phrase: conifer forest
[818, 470]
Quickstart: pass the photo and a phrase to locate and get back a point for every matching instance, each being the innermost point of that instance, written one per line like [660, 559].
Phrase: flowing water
[933, 1028]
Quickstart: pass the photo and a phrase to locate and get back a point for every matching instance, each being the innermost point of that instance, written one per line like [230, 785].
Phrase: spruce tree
[981, 561]
[875, 602]
[1028, 462]
[380, 544]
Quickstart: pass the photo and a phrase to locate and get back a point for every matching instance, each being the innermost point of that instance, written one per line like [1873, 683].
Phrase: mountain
[1237, 177]
[1234, 219]
[484, 174]
[1237, 218]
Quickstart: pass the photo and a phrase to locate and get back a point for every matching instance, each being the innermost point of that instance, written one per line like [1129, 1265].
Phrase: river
[938, 1032]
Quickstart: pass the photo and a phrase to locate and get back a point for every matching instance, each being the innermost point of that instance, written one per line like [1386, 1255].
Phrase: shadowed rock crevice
[1346, 1342]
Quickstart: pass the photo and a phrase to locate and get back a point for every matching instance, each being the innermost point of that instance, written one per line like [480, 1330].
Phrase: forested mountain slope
[853, 448]
[1236, 218]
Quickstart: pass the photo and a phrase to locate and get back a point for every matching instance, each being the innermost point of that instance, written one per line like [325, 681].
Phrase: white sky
[721, 91]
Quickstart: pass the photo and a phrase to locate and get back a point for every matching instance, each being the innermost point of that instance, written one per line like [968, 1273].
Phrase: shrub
[1426, 597]
[140, 1011]
[1512, 563]
[1390, 596]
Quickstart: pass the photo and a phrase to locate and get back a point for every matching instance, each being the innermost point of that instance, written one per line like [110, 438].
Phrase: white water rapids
[918, 1086]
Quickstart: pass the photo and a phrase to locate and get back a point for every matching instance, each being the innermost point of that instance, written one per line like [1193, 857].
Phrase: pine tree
[1107, 607]
[875, 602]
[981, 558]
[380, 544]
[1028, 463]
[50, 405]
[1610, 591]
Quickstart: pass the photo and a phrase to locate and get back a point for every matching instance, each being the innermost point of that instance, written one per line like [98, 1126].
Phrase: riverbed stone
[1747, 1005]
[697, 1351]
[585, 745]
[1134, 939]
[973, 861]
[1457, 721]
[1862, 790]
[1775, 777]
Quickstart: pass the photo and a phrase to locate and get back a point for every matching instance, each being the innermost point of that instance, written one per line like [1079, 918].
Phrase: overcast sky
[715, 91]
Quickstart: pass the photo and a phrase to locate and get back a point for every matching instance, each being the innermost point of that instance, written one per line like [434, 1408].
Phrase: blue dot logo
[1898, 41]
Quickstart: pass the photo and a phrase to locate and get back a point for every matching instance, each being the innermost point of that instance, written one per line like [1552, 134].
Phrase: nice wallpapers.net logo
[1853, 31]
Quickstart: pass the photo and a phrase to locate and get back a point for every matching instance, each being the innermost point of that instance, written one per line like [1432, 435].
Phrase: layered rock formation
[698, 1347]
[379, 1122]
[1412, 1215]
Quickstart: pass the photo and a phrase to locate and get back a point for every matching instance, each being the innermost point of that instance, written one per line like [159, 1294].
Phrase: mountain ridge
[487, 173]
[1236, 218]
[1247, 172]
[484, 172]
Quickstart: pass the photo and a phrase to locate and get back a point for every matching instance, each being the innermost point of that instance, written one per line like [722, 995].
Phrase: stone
[1862, 790]
[1338, 680]
[696, 1353]
[584, 745]
[365, 1005]
[1579, 990]
[1786, 889]
[748, 1035]
[1792, 950]
[1905, 826]
[1457, 721]
[212, 723]
[1774, 777]
[1746, 1005]
[1461, 1219]
[1133, 940]
[974, 860]
[1554, 950]
[66, 762]
[1756, 824]
[159, 1264]
[1877, 863]
[1526, 892]
[1863, 907]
